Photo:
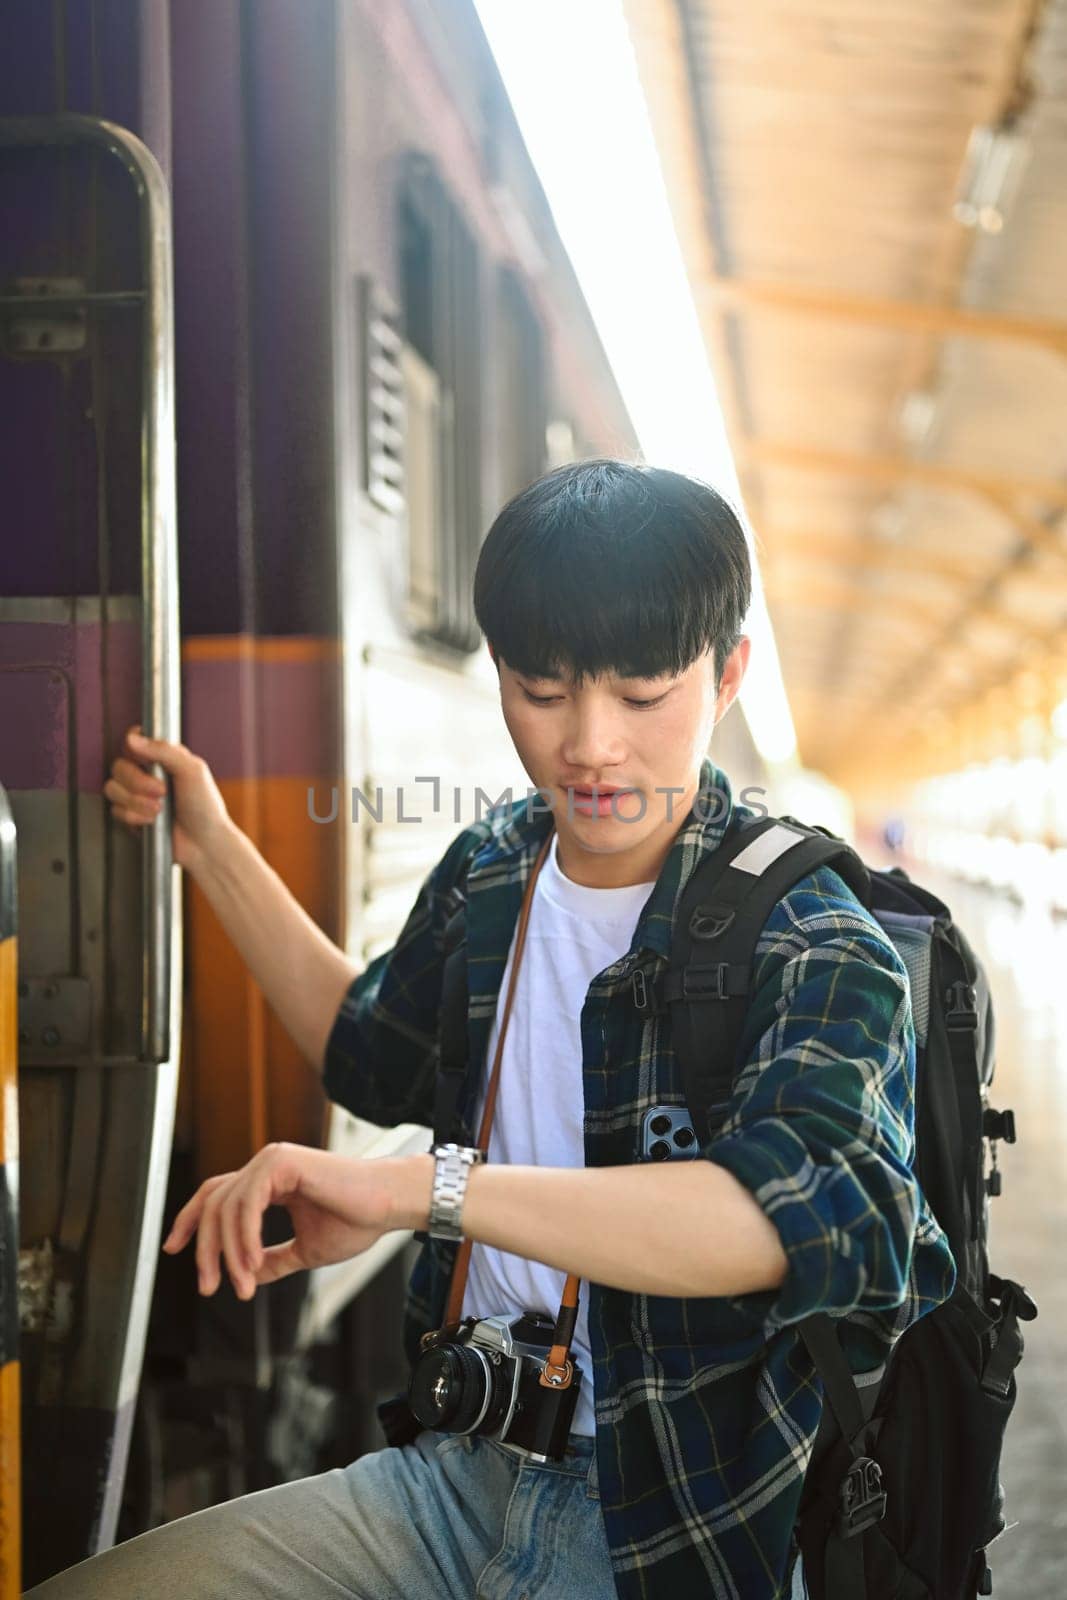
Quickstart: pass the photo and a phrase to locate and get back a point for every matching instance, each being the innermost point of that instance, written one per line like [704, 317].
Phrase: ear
[733, 676]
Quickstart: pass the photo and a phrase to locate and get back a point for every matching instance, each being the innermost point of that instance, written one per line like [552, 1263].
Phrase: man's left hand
[338, 1205]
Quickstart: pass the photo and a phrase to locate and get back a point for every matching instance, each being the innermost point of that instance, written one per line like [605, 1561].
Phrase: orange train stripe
[246, 646]
[243, 1081]
[10, 1484]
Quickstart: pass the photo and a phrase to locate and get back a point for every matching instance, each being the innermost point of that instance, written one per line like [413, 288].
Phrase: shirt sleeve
[381, 1056]
[821, 1130]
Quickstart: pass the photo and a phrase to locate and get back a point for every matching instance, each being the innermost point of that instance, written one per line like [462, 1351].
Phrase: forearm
[303, 974]
[685, 1229]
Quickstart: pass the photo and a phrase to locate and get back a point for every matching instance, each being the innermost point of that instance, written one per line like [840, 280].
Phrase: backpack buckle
[962, 1001]
[708, 922]
[862, 1498]
[706, 983]
[998, 1125]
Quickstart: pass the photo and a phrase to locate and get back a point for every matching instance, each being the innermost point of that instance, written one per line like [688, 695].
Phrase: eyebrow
[667, 677]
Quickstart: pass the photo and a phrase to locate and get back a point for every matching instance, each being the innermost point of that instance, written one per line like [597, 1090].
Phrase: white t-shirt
[573, 933]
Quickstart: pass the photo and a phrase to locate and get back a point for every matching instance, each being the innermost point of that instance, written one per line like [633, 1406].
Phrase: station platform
[1025, 954]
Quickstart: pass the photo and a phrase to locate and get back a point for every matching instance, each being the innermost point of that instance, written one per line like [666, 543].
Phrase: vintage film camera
[484, 1377]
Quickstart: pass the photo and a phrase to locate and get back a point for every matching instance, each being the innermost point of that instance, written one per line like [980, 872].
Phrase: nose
[592, 742]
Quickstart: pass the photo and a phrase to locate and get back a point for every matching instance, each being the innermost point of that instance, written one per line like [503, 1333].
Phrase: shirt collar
[518, 830]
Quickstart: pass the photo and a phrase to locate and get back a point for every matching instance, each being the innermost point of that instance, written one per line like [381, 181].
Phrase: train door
[88, 645]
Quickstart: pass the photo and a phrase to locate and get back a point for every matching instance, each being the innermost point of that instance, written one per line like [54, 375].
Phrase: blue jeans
[449, 1517]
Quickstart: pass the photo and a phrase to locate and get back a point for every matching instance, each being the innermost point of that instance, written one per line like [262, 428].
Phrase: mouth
[586, 789]
[583, 800]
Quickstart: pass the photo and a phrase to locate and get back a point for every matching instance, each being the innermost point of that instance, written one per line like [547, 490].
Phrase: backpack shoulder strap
[721, 914]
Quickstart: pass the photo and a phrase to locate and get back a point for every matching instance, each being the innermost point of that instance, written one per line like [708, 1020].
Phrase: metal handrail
[8, 874]
[160, 717]
[10, 1373]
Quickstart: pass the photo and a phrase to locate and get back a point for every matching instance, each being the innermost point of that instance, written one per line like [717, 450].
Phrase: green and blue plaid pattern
[706, 1408]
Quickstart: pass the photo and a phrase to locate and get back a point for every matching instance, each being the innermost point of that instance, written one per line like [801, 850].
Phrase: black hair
[611, 566]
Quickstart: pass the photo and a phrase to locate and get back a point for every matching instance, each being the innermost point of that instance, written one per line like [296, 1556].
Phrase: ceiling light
[992, 168]
[888, 521]
[916, 415]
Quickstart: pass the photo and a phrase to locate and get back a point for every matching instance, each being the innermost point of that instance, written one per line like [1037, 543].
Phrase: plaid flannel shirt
[706, 1408]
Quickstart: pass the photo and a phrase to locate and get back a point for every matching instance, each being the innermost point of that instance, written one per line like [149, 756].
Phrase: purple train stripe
[266, 708]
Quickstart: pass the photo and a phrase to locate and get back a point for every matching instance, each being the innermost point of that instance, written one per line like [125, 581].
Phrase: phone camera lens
[660, 1151]
[661, 1124]
[684, 1138]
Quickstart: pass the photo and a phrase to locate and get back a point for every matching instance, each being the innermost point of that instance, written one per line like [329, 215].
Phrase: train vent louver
[383, 398]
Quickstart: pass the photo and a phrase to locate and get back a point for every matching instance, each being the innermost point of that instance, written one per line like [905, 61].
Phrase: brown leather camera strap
[559, 1369]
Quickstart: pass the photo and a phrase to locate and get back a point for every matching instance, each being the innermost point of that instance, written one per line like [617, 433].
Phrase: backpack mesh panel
[914, 947]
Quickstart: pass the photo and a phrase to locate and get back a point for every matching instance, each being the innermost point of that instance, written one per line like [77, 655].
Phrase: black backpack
[875, 1522]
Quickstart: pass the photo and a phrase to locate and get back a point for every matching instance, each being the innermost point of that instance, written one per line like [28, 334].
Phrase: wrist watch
[452, 1166]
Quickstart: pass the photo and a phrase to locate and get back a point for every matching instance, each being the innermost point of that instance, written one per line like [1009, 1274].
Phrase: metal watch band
[452, 1165]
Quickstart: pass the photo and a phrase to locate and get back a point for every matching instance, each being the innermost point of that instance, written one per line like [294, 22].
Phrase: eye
[541, 699]
[646, 705]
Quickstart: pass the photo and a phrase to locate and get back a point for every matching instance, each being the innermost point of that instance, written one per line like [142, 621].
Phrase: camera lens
[660, 1151]
[684, 1138]
[455, 1386]
[660, 1124]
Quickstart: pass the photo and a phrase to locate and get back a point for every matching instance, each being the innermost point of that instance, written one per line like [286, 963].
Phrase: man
[612, 598]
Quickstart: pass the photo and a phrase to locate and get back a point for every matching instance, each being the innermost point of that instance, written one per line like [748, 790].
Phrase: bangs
[599, 608]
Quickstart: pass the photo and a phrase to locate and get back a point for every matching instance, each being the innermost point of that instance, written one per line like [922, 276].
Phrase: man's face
[640, 741]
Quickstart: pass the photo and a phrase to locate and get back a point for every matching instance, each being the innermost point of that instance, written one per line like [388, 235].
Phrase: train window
[417, 251]
[520, 377]
[439, 319]
[427, 442]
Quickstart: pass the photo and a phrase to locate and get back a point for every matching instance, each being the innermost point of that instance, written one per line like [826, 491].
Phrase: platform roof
[890, 348]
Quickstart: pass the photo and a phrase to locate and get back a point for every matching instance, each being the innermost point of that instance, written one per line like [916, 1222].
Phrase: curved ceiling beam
[901, 315]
